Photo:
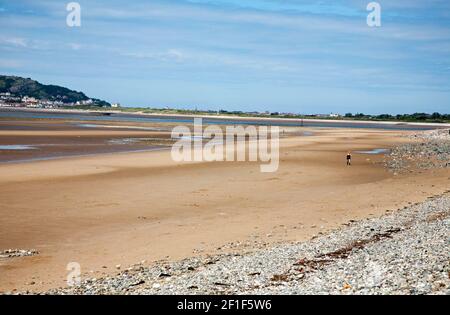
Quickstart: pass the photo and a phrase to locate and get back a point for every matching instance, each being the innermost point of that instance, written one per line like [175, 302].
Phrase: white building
[29, 100]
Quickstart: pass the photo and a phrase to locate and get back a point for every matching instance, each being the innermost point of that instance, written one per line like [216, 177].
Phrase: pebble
[10, 253]
[430, 149]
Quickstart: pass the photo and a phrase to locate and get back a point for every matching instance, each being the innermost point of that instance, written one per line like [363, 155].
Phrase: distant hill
[28, 87]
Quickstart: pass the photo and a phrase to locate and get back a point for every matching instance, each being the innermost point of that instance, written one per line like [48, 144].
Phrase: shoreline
[75, 156]
[231, 117]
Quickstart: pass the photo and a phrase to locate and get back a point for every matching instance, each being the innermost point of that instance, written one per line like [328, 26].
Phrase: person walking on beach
[349, 159]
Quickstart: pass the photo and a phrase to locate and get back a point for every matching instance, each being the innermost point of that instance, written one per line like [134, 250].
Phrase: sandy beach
[220, 155]
[88, 199]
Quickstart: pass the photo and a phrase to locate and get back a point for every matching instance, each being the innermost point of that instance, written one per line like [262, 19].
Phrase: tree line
[436, 117]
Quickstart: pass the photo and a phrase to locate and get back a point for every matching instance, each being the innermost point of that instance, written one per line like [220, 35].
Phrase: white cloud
[302, 22]
[14, 41]
[169, 55]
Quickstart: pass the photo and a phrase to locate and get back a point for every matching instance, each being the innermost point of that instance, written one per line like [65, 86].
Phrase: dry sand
[110, 209]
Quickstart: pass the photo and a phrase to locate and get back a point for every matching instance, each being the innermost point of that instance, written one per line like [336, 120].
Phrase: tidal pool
[374, 151]
[17, 147]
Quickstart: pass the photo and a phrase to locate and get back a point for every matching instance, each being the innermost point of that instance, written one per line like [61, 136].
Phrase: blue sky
[279, 55]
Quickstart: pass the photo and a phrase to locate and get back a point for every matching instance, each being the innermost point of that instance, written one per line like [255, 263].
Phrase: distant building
[29, 100]
[115, 105]
[327, 115]
[34, 105]
[85, 102]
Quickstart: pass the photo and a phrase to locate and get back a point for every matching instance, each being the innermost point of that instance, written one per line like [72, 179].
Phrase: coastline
[231, 117]
[224, 155]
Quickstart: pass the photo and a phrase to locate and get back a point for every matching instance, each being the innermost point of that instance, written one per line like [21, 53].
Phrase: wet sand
[108, 209]
[23, 141]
